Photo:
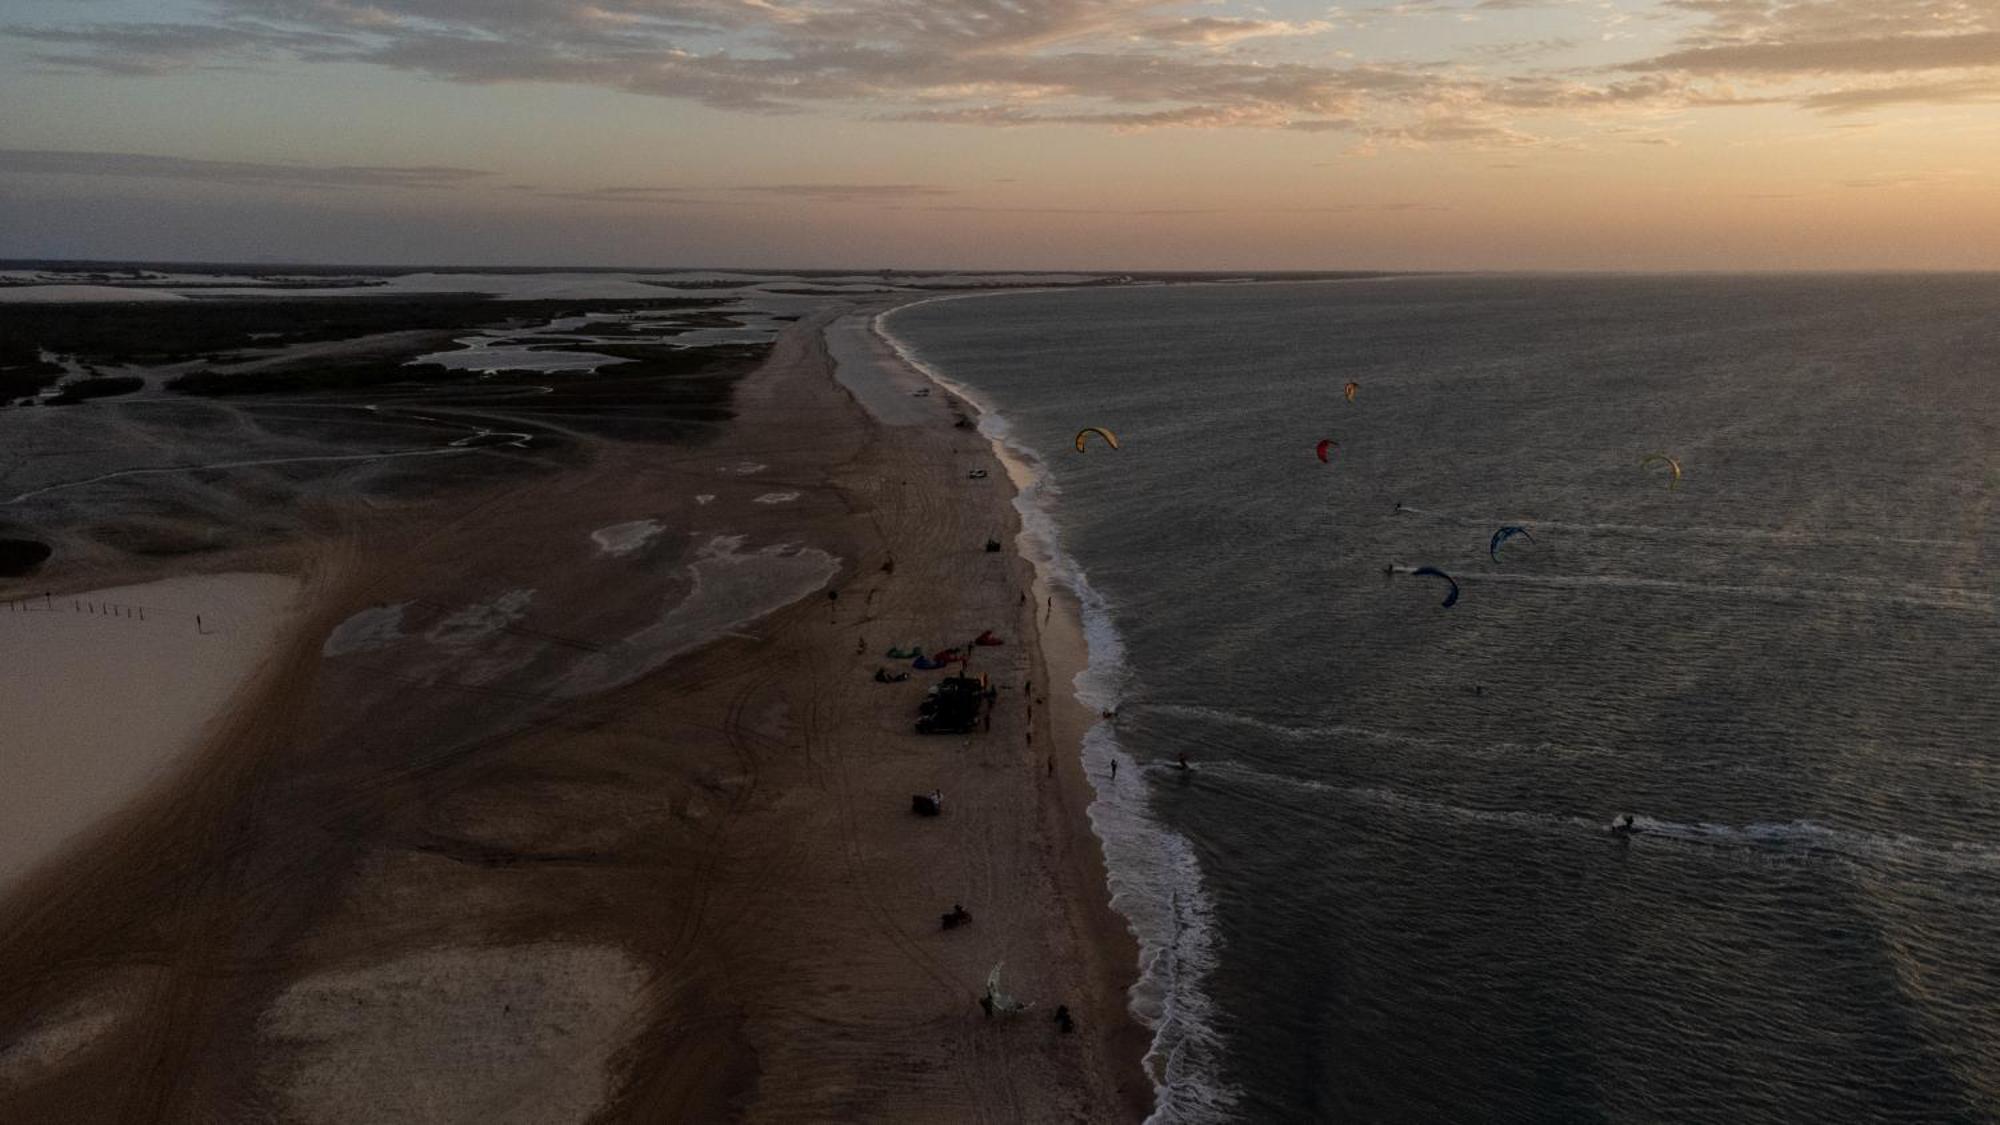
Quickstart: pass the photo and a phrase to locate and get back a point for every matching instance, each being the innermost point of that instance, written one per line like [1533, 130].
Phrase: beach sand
[104, 690]
[513, 826]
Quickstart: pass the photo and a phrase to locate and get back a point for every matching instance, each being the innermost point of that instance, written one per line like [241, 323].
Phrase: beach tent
[996, 1000]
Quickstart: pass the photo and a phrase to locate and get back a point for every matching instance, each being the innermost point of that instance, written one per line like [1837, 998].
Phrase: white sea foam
[1319, 732]
[1913, 597]
[1784, 537]
[1791, 838]
[1154, 875]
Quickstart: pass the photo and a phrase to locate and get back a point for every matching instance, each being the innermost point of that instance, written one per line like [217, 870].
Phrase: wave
[1154, 874]
[1310, 731]
[1780, 537]
[1794, 838]
[1916, 597]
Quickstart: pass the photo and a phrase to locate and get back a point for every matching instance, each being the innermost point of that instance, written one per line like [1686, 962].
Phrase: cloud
[1878, 56]
[1901, 180]
[628, 195]
[144, 166]
[1210, 31]
[1129, 65]
[159, 48]
[1122, 64]
[1836, 56]
[1967, 91]
[1153, 212]
[760, 193]
[848, 193]
[1452, 130]
[1185, 117]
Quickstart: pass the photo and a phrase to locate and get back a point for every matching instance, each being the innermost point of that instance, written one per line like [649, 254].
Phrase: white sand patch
[705, 499]
[371, 630]
[621, 539]
[61, 1039]
[101, 692]
[96, 294]
[728, 589]
[506, 659]
[476, 623]
[492, 360]
[482, 1036]
[776, 498]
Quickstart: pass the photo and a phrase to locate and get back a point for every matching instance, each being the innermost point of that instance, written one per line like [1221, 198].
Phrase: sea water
[1386, 890]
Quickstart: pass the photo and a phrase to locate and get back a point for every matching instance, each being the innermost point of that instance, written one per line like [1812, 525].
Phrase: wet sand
[480, 846]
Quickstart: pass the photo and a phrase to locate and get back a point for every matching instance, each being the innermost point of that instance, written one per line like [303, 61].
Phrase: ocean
[1387, 888]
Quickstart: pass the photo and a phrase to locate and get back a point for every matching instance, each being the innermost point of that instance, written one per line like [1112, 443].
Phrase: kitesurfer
[1109, 438]
[1501, 536]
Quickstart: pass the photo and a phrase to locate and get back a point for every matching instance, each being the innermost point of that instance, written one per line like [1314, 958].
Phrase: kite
[1673, 466]
[1449, 599]
[1504, 534]
[1110, 438]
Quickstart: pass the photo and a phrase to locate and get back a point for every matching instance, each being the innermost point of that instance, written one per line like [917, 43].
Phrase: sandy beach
[574, 798]
[105, 689]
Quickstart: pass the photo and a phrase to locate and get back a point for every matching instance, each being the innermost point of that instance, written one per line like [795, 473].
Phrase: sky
[1006, 134]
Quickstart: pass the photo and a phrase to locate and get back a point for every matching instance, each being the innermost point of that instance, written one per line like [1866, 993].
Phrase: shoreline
[1061, 719]
[1089, 743]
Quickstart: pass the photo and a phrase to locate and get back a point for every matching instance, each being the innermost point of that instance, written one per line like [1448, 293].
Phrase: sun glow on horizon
[1135, 134]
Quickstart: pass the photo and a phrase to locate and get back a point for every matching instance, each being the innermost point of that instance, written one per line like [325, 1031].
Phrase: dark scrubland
[177, 331]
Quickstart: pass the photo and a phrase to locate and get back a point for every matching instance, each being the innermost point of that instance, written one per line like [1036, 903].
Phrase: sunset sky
[1093, 134]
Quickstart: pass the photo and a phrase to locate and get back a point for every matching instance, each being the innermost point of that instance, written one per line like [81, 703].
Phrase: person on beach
[1114, 769]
